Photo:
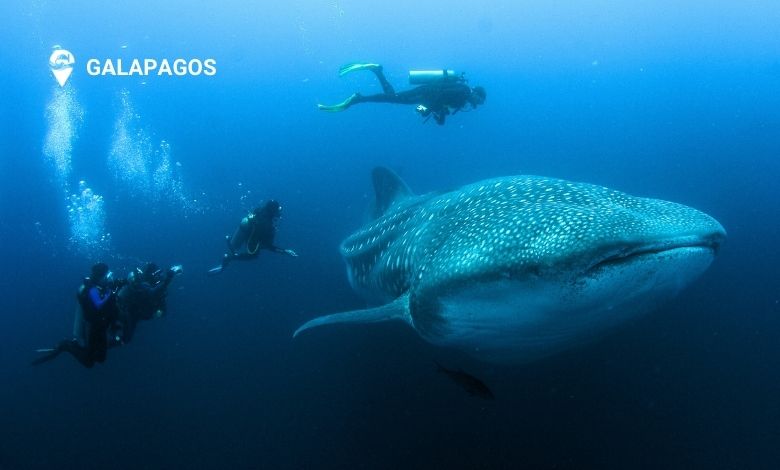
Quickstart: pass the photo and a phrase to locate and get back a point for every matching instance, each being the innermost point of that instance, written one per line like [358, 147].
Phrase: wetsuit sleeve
[283, 251]
[97, 299]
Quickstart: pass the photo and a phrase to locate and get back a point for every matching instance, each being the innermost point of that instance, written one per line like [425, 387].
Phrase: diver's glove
[291, 253]
[174, 270]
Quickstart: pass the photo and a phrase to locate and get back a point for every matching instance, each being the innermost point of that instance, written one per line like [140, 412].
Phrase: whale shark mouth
[630, 255]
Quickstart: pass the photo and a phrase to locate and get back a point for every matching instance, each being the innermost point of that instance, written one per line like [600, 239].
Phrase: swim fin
[226, 259]
[334, 108]
[49, 354]
[345, 69]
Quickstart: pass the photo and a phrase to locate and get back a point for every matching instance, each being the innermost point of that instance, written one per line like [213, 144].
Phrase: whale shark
[515, 268]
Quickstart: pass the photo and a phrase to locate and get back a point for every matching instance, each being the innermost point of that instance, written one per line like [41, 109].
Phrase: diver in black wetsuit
[256, 232]
[142, 298]
[439, 98]
[98, 311]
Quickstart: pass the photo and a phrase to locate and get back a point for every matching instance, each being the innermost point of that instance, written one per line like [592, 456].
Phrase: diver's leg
[82, 354]
[129, 329]
[226, 259]
[98, 345]
[334, 108]
[388, 94]
[245, 256]
[386, 86]
[416, 95]
[233, 244]
[400, 98]
[238, 238]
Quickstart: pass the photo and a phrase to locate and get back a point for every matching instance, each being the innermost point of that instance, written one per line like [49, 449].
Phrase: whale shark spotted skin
[514, 268]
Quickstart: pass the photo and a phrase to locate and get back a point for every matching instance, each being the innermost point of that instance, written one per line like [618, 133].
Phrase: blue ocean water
[662, 99]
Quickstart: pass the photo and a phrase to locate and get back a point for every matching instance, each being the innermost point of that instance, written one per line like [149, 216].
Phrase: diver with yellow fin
[439, 92]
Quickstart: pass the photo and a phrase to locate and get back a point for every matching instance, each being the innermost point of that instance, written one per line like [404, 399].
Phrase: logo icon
[61, 64]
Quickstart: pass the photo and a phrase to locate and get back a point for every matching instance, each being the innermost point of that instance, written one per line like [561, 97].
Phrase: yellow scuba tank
[425, 77]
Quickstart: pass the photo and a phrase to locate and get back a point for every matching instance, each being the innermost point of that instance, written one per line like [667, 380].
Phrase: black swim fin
[49, 354]
[225, 261]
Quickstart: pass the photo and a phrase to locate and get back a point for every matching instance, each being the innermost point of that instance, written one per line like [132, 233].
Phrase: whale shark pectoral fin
[395, 310]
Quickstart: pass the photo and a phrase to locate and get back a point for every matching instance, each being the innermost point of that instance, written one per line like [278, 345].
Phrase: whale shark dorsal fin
[395, 310]
[389, 189]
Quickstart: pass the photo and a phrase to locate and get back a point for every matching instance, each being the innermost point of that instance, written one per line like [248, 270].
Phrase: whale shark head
[518, 267]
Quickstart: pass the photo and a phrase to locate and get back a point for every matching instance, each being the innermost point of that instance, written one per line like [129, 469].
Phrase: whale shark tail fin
[395, 310]
[389, 189]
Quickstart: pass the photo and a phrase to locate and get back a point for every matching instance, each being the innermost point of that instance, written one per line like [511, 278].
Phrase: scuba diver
[97, 310]
[256, 231]
[439, 94]
[143, 297]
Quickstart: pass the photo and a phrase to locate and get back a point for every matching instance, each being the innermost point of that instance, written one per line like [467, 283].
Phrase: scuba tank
[424, 77]
[80, 325]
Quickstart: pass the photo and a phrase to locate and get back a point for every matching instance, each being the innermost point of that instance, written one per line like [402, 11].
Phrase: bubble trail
[64, 116]
[87, 217]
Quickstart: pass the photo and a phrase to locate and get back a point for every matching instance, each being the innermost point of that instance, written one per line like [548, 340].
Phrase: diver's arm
[170, 274]
[283, 251]
[173, 271]
[103, 305]
[159, 288]
[97, 298]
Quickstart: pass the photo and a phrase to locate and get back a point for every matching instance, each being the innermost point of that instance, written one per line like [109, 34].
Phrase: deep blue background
[677, 100]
